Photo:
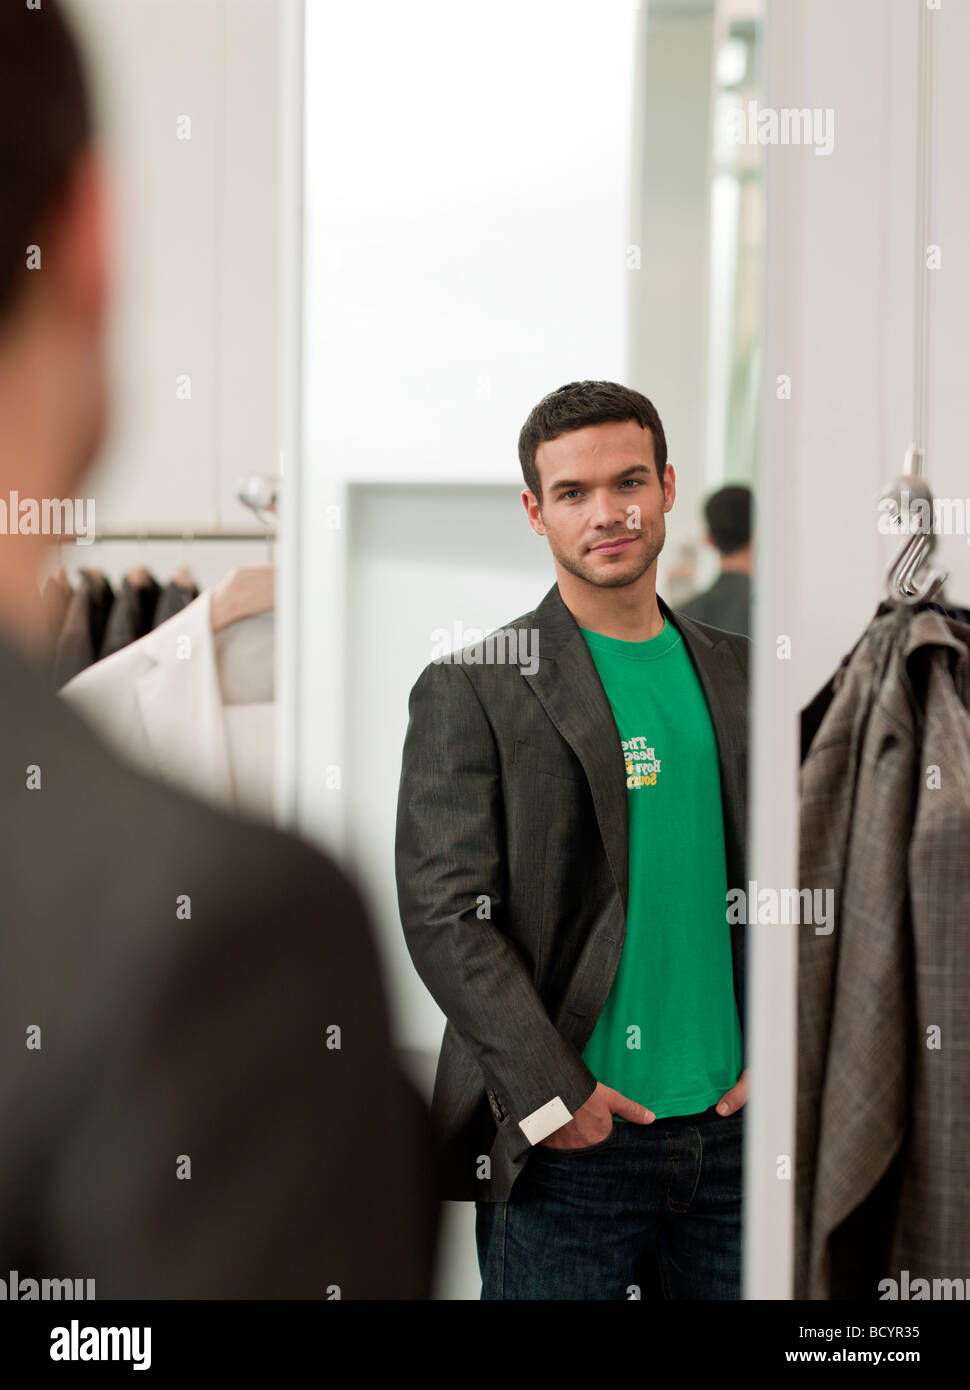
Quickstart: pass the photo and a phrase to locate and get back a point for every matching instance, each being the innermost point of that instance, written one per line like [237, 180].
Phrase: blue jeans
[651, 1212]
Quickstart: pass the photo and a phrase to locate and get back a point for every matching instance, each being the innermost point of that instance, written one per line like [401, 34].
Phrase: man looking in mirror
[566, 840]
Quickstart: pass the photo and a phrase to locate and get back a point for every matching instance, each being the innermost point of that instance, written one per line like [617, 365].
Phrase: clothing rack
[259, 493]
[215, 533]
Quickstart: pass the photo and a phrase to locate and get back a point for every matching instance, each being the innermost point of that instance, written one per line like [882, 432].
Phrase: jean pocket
[587, 1149]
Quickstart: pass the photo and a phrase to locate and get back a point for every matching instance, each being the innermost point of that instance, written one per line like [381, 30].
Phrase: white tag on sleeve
[545, 1121]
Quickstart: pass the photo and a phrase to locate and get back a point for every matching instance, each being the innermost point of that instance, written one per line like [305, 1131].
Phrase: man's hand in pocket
[734, 1099]
[593, 1121]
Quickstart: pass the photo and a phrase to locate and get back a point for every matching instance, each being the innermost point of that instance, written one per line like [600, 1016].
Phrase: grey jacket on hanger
[512, 861]
[82, 632]
[132, 615]
[882, 1169]
[173, 598]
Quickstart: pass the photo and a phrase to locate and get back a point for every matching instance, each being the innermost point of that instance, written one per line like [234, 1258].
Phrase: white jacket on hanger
[159, 704]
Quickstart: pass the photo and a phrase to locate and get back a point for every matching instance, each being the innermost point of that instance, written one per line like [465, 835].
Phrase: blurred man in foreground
[198, 1096]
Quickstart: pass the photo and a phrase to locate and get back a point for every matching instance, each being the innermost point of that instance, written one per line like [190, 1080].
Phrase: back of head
[45, 121]
[728, 516]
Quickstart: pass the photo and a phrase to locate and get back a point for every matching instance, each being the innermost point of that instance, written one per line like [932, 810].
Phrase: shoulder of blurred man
[724, 606]
[165, 957]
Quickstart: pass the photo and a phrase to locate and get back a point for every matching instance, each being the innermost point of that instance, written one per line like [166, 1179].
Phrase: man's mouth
[614, 546]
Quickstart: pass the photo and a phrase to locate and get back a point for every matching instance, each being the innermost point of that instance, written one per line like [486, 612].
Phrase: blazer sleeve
[452, 892]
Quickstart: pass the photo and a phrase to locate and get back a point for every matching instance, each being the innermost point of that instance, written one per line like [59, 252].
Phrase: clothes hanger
[906, 580]
[242, 593]
[138, 576]
[183, 574]
[249, 589]
[60, 578]
[261, 494]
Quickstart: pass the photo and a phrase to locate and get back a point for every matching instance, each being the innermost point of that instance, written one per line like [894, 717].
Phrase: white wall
[847, 254]
[196, 241]
[467, 173]
[467, 178]
[839, 296]
[669, 328]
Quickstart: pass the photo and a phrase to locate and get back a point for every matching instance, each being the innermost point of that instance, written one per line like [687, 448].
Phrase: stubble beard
[606, 578]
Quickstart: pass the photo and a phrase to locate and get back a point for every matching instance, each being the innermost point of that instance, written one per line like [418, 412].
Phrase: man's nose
[607, 511]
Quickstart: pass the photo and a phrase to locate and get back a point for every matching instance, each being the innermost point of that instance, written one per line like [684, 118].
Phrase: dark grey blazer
[82, 631]
[512, 874]
[132, 615]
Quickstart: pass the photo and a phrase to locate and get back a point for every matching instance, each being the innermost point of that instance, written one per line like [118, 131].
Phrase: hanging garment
[174, 597]
[82, 632]
[882, 1167]
[817, 708]
[159, 703]
[245, 666]
[132, 611]
[56, 598]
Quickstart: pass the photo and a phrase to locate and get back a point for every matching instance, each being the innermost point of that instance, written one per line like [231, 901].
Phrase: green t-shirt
[669, 1035]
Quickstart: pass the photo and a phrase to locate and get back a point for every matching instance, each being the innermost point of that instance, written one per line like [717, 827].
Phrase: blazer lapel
[570, 691]
[569, 688]
[725, 690]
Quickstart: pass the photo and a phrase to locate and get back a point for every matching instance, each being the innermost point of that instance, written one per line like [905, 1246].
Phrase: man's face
[603, 506]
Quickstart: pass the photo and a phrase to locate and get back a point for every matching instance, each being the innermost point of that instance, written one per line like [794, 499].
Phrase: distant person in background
[727, 603]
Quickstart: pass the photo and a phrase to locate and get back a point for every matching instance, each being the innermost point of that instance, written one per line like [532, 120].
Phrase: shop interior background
[371, 290]
[525, 199]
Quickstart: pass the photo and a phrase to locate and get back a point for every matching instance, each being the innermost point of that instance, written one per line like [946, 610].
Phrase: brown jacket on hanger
[882, 1170]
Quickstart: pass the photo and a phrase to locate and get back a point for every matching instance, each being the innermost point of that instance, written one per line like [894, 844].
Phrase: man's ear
[533, 511]
[669, 486]
[77, 237]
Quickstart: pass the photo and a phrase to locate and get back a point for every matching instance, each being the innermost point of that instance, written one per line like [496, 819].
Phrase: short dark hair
[45, 121]
[575, 407]
[728, 516]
